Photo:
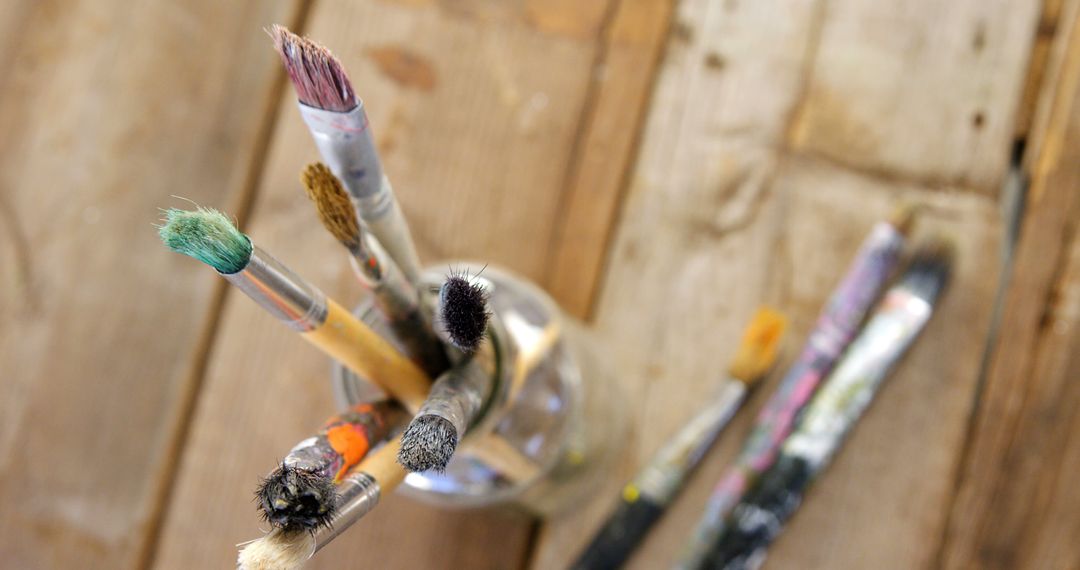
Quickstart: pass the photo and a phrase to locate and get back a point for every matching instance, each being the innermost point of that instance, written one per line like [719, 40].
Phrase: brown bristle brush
[340, 128]
[394, 296]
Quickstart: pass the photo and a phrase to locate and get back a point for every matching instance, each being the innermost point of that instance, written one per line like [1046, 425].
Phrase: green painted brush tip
[207, 235]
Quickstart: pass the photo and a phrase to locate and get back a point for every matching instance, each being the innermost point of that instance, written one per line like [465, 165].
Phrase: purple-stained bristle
[318, 76]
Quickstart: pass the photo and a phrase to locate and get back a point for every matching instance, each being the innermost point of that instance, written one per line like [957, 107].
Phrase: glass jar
[553, 423]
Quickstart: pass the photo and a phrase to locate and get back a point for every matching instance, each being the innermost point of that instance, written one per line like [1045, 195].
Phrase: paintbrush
[462, 310]
[826, 422]
[300, 493]
[456, 398]
[357, 494]
[395, 297]
[450, 410]
[210, 237]
[337, 121]
[655, 487]
[836, 326]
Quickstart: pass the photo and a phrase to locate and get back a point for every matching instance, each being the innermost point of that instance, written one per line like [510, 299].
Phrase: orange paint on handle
[349, 441]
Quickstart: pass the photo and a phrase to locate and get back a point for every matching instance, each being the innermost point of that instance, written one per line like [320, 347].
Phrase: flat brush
[453, 404]
[836, 326]
[357, 495]
[299, 494]
[646, 498]
[462, 310]
[210, 237]
[903, 313]
[394, 296]
[337, 121]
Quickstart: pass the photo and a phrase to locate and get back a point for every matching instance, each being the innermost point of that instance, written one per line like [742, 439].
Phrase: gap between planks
[240, 206]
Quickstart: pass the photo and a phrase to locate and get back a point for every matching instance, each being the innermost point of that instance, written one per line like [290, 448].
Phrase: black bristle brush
[299, 494]
[463, 311]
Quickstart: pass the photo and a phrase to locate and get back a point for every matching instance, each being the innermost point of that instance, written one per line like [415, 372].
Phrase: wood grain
[888, 76]
[604, 151]
[478, 160]
[106, 109]
[1017, 503]
[735, 201]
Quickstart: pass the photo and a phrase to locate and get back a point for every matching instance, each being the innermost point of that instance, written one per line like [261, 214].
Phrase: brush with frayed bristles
[357, 494]
[452, 407]
[295, 498]
[339, 125]
[317, 75]
[827, 421]
[462, 311]
[396, 298]
[299, 494]
[210, 237]
[655, 487]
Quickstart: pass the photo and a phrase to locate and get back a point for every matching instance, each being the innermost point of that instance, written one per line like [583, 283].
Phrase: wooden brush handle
[383, 466]
[355, 345]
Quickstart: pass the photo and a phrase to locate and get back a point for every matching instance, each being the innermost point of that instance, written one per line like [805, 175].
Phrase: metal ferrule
[346, 145]
[358, 494]
[315, 454]
[662, 478]
[458, 395]
[394, 295]
[280, 291]
[842, 399]
[345, 142]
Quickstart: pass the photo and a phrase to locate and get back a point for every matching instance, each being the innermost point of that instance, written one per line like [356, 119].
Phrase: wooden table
[661, 169]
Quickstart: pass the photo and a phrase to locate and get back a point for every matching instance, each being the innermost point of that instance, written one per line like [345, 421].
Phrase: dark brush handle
[620, 535]
[760, 517]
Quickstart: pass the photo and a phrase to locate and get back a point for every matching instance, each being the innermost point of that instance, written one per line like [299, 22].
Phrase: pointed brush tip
[760, 346]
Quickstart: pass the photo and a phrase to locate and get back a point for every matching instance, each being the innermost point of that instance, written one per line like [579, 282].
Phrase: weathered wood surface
[1018, 503]
[477, 109]
[107, 108]
[776, 133]
[772, 145]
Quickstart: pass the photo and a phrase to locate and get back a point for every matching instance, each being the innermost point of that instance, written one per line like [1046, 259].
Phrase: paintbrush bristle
[903, 217]
[759, 347]
[929, 268]
[278, 550]
[207, 235]
[318, 76]
[428, 444]
[463, 311]
[296, 499]
[335, 209]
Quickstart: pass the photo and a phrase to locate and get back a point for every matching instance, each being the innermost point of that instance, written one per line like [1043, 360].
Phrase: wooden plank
[613, 119]
[734, 201]
[888, 74]
[477, 108]
[1040, 55]
[107, 108]
[1017, 504]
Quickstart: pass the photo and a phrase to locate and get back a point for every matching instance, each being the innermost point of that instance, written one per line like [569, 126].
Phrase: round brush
[394, 296]
[357, 495]
[210, 237]
[646, 498]
[453, 404]
[463, 311]
[300, 493]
